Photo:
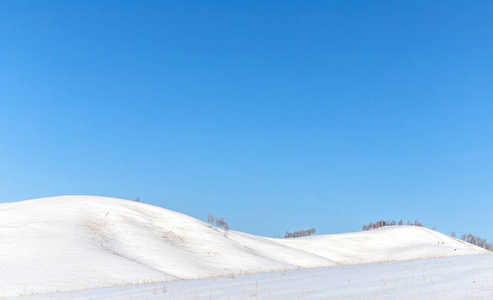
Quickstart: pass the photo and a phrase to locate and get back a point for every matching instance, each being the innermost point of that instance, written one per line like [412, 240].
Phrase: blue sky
[277, 115]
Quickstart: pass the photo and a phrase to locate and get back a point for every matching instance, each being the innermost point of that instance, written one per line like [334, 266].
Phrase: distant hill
[84, 242]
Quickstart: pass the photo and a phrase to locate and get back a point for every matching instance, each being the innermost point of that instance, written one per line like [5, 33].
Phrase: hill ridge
[76, 242]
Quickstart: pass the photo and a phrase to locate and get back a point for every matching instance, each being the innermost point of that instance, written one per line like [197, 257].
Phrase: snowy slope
[84, 242]
[459, 277]
[385, 244]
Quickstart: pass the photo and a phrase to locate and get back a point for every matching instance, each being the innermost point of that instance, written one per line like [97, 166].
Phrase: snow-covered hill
[85, 242]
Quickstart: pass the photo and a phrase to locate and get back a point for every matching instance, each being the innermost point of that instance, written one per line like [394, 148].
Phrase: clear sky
[276, 115]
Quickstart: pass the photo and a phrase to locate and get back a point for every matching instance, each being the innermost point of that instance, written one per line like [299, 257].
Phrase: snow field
[84, 242]
[460, 277]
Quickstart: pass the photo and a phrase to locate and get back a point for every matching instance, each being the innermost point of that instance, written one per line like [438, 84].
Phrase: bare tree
[300, 233]
[226, 229]
[137, 199]
[400, 222]
[453, 234]
[475, 240]
[210, 219]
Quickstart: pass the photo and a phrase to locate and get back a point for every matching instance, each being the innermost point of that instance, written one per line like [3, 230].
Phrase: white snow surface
[72, 243]
[458, 277]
